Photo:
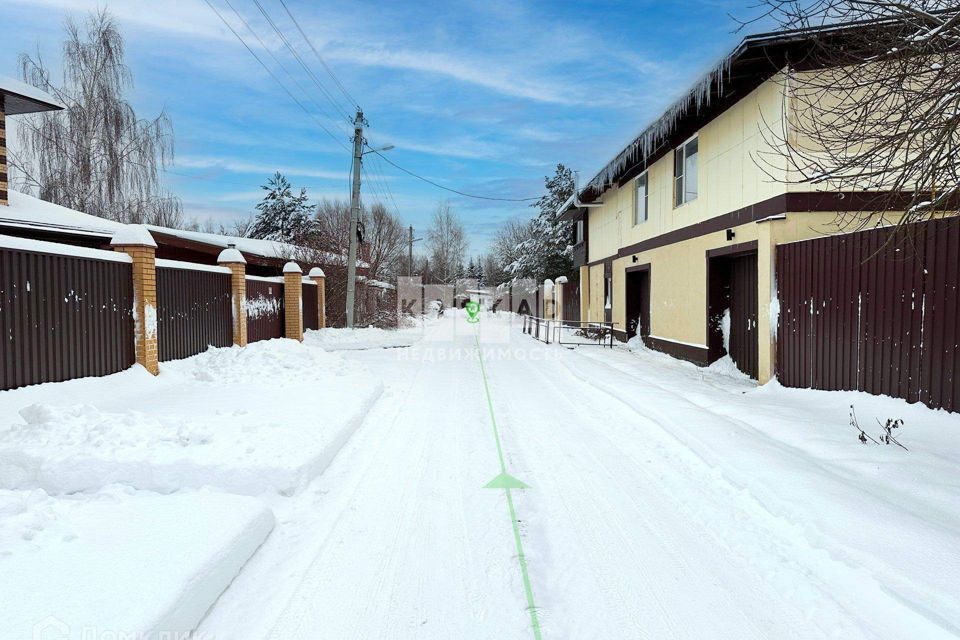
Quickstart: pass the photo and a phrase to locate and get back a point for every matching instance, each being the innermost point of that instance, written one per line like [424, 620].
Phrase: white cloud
[262, 168]
[489, 76]
[186, 17]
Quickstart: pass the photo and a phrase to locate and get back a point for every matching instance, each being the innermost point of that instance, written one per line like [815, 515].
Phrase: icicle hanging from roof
[698, 97]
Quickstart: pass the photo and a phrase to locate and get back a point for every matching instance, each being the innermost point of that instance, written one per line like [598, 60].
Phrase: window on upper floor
[640, 202]
[578, 232]
[685, 172]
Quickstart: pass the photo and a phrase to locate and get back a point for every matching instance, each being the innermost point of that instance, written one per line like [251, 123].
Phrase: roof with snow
[33, 216]
[755, 60]
[20, 97]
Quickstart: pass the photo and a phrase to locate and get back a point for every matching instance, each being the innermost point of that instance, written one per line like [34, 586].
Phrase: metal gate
[873, 311]
[744, 343]
[571, 302]
[193, 312]
[264, 309]
[311, 310]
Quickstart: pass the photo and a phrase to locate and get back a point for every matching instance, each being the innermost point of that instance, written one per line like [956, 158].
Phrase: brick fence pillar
[293, 300]
[234, 260]
[136, 242]
[320, 278]
[549, 308]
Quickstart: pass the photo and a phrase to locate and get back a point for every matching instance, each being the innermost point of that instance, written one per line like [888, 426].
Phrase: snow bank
[223, 418]
[120, 563]
[333, 339]
[878, 519]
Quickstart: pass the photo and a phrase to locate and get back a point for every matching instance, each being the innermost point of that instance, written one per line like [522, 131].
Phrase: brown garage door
[743, 314]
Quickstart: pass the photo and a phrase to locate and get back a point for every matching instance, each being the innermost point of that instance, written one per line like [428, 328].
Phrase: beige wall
[678, 279]
[595, 313]
[728, 178]
[731, 176]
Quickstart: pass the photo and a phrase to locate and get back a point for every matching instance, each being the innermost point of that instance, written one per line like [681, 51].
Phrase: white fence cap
[133, 235]
[292, 267]
[317, 272]
[562, 280]
[231, 255]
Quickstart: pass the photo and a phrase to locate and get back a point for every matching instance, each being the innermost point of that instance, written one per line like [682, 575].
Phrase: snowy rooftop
[20, 97]
[757, 58]
[32, 213]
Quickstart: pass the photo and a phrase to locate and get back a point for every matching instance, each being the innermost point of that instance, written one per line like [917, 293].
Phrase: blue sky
[482, 96]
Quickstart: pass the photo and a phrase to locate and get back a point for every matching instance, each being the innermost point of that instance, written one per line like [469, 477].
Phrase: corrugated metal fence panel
[63, 317]
[311, 313]
[860, 313]
[193, 312]
[571, 302]
[264, 310]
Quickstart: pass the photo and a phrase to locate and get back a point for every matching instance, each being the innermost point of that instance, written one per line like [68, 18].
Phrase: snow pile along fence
[71, 312]
[65, 312]
[873, 311]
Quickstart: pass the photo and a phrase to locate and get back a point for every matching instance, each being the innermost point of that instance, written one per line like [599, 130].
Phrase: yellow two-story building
[676, 235]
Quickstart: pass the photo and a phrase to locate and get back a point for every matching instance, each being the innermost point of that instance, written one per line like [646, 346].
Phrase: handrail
[533, 326]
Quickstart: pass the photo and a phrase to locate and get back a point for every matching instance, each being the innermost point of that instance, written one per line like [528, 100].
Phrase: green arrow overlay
[506, 481]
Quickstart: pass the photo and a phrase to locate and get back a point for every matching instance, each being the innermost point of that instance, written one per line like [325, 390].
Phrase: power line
[273, 75]
[440, 186]
[386, 183]
[309, 71]
[279, 64]
[320, 58]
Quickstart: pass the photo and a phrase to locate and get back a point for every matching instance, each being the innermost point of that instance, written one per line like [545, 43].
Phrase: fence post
[234, 260]
[136, 242]
[320, 278]
[293, 301]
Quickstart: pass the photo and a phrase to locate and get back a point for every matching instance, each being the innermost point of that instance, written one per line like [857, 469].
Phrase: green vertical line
[528, 589]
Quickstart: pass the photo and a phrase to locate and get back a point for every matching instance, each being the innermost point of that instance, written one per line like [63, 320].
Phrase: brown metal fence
[311, 312]
[571, 302]
[63, 317]
[193, 312]
[264, 309]
[859, 314]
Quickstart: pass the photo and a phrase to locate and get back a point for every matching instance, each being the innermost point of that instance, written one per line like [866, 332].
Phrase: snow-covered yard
[335, 489]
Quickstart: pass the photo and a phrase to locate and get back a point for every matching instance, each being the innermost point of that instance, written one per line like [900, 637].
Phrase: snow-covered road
[665, 502]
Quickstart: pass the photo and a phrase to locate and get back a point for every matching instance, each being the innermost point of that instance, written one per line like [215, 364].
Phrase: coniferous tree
[546, 254]
[282, 216]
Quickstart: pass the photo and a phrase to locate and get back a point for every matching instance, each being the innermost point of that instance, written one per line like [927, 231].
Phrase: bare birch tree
[446, 243]
[97, 156]
[874, 106]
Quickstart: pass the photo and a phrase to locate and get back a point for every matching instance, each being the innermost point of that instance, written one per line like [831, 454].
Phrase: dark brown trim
[638, 267]
[797, 202]
[733, 249]
[688, 352]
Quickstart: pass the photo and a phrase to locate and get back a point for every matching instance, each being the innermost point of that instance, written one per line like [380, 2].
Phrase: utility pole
[410, 257]
[354, 215]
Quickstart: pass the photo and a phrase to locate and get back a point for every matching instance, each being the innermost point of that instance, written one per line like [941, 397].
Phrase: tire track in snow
[849, 588]
[596, 515]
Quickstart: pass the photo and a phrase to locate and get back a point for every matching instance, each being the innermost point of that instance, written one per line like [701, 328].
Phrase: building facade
[677, 235]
